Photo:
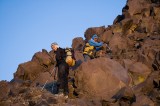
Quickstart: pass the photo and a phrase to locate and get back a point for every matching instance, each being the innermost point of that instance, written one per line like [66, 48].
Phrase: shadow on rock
[51, 87]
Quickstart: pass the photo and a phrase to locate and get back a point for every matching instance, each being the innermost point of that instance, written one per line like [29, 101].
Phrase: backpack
[70, 59]
[89, 50]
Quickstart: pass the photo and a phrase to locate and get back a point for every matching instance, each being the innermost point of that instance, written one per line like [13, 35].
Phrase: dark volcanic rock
[29, 70]
[130, 78]
[78, 44]
[4, 90]
[100, 78]
[95, 30]
[39, 69]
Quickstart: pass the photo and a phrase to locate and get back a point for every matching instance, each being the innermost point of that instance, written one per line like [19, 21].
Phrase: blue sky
[28, 26]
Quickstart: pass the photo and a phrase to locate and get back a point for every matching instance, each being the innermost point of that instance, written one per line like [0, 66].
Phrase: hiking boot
[66, 96]
[59, 95]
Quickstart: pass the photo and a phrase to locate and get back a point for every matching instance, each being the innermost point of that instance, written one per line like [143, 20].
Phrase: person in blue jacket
[94, 42]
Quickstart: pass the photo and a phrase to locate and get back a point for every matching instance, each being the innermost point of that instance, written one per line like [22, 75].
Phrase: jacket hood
[94, 36]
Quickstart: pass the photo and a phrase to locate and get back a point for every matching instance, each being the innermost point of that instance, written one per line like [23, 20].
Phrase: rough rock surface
[38, 69]
[100, 78]
[130, 78]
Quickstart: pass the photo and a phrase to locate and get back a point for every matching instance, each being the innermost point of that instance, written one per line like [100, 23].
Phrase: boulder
[139, 72]
[157, 12]
[156, 62]
[149, 85]
[117, 43]
[151, 25]
[28, 71]
[136, 6]
[117, 28]
[94, 30]
[126, 26]
[106, 36]
[78, 44]
[118, 19]
[45, 77]
[43, 58]
[4, 90]
[33, 70]
[142, 100]
[100, 78]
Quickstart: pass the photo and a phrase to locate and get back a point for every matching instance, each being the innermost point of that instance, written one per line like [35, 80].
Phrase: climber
[92, 47]
[63, 69]
[94, 42]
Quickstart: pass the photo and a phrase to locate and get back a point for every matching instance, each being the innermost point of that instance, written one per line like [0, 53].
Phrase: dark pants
[86, 57]
[63, 71]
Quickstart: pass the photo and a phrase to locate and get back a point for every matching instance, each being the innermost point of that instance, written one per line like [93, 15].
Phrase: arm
[93, 43]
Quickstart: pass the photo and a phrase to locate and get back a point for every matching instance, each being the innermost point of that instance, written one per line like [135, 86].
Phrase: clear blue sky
[28, 26]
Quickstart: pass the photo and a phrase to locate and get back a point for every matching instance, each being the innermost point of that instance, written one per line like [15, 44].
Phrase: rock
[148, 85]
[117, 28]
[117, 43]
[94, 30]
[136, 6]
[106, 36]
[5, 103]
[78, 44]
[43, 58]
[128, 96]
[40, 63]
[126, 63]
[156, 11]
[137, 45]
[44, 77]
[150, 24]
[139, 72]
[139, 36]
[127, 24]
[4, 90]
[118, 19]
[100, 79]
[52, 56]
[142, 100]
[29, 71]
[155, 96]
[42, 103]
[156, 63]
[131, 78]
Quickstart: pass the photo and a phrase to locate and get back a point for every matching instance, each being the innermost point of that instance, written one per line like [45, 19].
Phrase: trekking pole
[108, 47]
[47, 80]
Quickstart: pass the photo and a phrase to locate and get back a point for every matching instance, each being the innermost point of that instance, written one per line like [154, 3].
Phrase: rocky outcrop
[95, 30]
[129, 76]
[37, 70]
[100, 78]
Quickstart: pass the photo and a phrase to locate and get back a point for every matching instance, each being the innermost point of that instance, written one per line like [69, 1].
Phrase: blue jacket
[97, 45]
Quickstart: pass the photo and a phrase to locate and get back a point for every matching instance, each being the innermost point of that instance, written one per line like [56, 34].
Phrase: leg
[63, 71]
[65, 78]
[86, 57]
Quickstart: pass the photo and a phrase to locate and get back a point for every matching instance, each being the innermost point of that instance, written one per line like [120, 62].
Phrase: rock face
[38, 69]
[130, 78]
[100, 78]
[78, 44]
[95, 30]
